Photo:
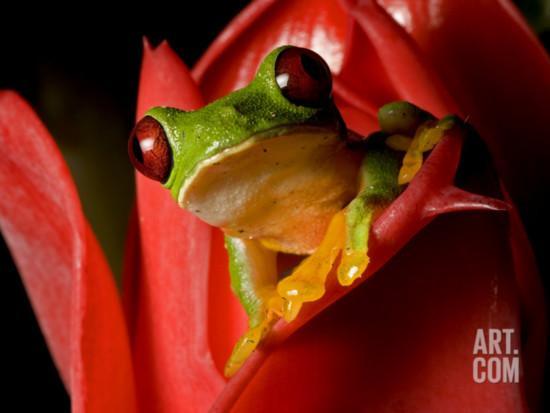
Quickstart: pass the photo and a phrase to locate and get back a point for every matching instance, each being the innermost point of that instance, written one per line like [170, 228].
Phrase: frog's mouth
[282, 187]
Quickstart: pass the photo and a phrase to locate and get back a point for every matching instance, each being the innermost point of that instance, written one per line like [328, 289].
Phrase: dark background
[81, 77]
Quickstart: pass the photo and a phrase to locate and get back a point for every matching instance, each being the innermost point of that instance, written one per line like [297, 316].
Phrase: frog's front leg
[379, 187]
[385, 171]
[253, 270]
[347, 235]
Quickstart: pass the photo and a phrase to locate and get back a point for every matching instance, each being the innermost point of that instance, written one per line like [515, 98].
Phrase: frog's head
[270, 137]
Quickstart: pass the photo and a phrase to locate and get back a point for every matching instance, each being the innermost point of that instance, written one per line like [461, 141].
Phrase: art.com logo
[495, 360]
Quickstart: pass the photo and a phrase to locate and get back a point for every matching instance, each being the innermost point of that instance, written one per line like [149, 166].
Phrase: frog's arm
[379, 187]
[384, 172]
[383, 175]
[348, 233]
[253, 271]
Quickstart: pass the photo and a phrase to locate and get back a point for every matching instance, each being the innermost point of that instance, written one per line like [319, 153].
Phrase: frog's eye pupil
[303, 77]
[149, 149]
[313, 67]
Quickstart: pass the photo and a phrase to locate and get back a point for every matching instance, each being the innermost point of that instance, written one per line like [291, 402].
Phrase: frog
[274, 166]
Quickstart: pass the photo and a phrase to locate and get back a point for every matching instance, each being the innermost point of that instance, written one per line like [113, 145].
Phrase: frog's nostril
[149, 149]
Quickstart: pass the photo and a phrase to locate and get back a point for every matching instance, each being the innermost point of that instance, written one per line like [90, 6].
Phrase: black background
[87, 54]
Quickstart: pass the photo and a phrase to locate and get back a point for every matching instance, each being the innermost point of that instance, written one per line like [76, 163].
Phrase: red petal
[383, 64]
[531, 294]
[452, 199]
[403, 340]
[232, 59]
[358, 120]
[498, 74]
[174, 366]
[165, 81]
[63, 268]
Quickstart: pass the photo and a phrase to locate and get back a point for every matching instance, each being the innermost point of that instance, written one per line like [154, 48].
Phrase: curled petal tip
[164, 44]
[454, 199]
[165, 81]
[149, 47]
[6, 96]
[146, 44]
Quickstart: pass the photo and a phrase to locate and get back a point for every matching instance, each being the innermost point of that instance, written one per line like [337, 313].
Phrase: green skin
[260, 109]
[227, 122]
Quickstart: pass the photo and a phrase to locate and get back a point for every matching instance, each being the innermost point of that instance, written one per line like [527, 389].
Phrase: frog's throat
[213, 161]
[273, 188]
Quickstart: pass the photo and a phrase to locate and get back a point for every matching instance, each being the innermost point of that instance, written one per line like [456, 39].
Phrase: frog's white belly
[283, 190]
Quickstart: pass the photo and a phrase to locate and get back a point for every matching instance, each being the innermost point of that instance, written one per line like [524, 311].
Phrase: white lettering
[494, 370]
[510, 370]
[479, 344]
[495, 336]
[479, 376]
[508, 338]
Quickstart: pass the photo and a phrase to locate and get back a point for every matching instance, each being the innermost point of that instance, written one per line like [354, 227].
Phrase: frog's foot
[254, 335]
[413, 131]
[355, 259]
[247, 344]
[347, 237]
[307, 281]
[425, 138]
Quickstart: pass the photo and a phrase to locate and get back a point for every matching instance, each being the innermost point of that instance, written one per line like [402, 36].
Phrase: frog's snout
[149, 149]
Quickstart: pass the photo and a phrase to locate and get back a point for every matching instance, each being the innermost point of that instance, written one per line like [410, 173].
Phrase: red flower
[447, 261]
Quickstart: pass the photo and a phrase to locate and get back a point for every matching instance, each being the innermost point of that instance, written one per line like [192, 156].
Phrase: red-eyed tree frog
[275, 168]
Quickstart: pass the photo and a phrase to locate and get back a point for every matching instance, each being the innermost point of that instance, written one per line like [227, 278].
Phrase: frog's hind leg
[253, 270]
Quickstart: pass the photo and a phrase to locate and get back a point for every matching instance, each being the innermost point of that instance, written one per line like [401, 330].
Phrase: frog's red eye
[149, 149]
[303, 77]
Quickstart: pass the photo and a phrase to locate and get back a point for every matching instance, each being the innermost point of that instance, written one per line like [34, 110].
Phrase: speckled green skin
[256, 109]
